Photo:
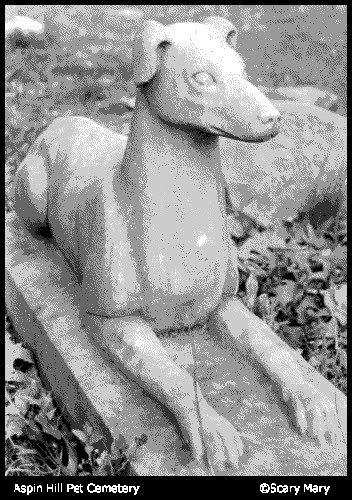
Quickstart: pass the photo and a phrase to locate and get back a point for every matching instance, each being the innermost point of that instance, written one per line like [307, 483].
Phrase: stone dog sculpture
[142, 224]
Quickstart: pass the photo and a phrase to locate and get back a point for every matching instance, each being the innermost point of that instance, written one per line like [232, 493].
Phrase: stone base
[42, 298]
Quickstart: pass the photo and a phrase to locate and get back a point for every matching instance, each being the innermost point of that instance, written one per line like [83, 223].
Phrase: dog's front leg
[314, 411]
[139, 354]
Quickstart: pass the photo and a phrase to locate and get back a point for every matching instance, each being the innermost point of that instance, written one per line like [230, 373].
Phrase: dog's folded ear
[225, 27]
[145, 45]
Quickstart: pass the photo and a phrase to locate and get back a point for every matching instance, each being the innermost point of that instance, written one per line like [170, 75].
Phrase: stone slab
[42, 298]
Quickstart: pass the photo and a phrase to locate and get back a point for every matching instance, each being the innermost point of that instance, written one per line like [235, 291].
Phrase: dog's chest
[163, 266]
[182, 282]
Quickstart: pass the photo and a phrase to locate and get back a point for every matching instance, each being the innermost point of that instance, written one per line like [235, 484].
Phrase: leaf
[261, 243]
[117, 445]
[331, 329]
[292, 335]
[88, 449]
[251, 289]
[47, 405]
[88, 429]
[103, 458]
[80, 435]
[340, 294]
[48, 428]
[17, 351]
[315, 362]
[22, 400]
[302, 310]
[10, 408]
[336, 300]
[72, 463]
[71, 468]
[285, 292]
[263, 305]
[318, 242]
[343, 358]
[141, 440]
[95, 437]
[14, 425]
[12, 353]
[339, 256]
[302, 257]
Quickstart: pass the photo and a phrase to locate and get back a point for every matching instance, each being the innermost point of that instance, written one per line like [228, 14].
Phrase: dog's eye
[204, 78]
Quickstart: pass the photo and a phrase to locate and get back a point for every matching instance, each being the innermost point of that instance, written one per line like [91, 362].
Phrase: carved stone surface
[42, 299]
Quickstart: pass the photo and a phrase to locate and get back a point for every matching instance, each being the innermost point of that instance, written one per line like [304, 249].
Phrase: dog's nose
[271, 122]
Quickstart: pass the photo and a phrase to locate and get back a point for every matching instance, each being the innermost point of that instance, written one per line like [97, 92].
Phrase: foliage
[296, 281]
[38, 442]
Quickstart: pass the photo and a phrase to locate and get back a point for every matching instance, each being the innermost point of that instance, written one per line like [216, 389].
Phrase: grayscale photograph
[176, 245]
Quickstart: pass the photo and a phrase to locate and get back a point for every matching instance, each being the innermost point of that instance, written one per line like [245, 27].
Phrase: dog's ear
[225, 27]
[145, 46]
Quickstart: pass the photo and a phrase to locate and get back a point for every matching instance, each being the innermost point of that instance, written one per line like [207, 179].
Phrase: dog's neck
[164, 159]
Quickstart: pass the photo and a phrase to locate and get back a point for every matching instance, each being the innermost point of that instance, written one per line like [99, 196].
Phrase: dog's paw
[314, 414]
[222, 443]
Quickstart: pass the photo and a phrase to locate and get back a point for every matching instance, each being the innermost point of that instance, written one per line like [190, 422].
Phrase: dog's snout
[270, 120]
